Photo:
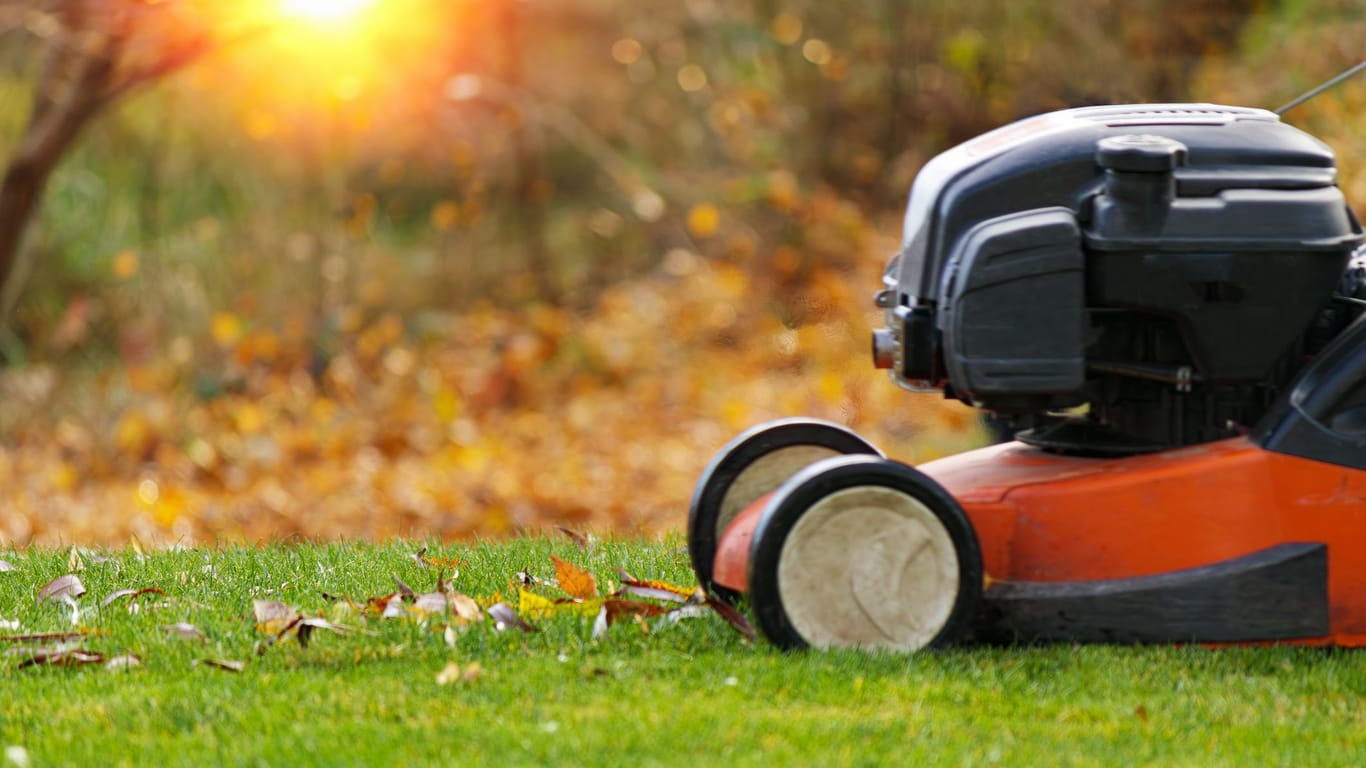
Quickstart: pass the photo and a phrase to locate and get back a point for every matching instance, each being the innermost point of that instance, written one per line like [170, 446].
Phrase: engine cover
[1113, 255]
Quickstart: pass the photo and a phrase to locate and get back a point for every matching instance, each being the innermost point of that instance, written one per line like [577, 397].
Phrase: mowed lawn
[429, 687]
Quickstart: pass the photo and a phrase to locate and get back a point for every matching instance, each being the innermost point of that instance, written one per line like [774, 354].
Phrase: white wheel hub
[765, 474]
[868, 567]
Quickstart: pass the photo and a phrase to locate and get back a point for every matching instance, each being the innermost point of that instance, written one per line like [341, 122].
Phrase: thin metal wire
[1311, 94]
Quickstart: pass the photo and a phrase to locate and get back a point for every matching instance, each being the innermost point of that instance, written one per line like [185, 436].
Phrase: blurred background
[464, 268]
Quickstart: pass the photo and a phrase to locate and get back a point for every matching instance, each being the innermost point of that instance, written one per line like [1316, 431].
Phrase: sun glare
[324, 10]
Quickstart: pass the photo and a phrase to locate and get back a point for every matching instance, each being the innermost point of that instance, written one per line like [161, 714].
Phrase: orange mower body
[1220, 542]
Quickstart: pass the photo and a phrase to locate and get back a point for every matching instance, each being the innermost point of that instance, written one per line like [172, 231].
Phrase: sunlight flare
[324, 11]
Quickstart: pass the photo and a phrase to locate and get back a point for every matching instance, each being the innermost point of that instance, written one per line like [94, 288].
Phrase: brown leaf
[733, 617]
[614, 611]
[379, 606]
[578, 538]
[1141, 712]
[60, 656]
[224, 664]
[505, 618]
[575, 581]
[131, 594]
[47, 637]
[185, 631]
[62, 586]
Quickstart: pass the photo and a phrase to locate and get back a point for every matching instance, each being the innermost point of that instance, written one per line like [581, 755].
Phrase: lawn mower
[1162, 302]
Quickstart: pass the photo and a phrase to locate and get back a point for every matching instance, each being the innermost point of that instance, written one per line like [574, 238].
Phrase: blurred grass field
[470, 279]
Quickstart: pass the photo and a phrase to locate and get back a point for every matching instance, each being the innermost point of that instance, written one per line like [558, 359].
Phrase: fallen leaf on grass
[62, 586]
[306, 626]
[272, 616]
[433, 561]
[185, 631]
[585, 542]
[131, 594]
[223, 664]
[614, 611]
[733, 617]
[540, 607]
[59, 656]
[575, 581]
[452, 673]
[6, 566]
[124, 662]
[405, 590]
[659, 590]
[465, 608]
[46, 637]
[430, 604]
[505, 618]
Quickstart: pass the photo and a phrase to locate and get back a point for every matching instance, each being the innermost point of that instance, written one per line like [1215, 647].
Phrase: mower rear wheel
[753, 464]
[860, 551]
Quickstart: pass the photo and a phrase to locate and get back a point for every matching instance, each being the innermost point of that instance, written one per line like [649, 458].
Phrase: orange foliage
[488, 422]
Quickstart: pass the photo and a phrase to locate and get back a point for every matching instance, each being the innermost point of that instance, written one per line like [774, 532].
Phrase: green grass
[685, 694]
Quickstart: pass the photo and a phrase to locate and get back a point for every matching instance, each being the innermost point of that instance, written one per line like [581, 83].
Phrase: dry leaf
[185, 631]
[448, 674]
[575, 581]
[614, 611]
[465, 608]
[505, 618]
[224, 664]
[131, 593]
[585, 543]
[1141, 712]
[124, 662]
[305, 627]
[273, 616]
[404, 589]
[6, 566]
[660, 590]
[58, 656]
[733, 617]
[46, 637]
[62, 586]
[538, 607]
[430, 603]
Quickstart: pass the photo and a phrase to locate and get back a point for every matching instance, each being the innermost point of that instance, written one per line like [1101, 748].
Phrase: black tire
[886, 559]
[753, 464]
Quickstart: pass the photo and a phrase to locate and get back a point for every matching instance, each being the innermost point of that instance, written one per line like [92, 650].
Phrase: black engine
[1115, 280]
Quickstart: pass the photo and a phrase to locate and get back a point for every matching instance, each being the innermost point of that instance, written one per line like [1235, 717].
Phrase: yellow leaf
[704, 220]
[125, 264]
[226, 329]
[445, 215]
[575, 581]
[538, 607]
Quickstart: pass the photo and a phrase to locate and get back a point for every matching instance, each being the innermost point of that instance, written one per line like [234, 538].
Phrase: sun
[324, 11]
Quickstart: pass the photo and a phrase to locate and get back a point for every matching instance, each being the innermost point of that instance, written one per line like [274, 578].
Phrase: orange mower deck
[1221, 542]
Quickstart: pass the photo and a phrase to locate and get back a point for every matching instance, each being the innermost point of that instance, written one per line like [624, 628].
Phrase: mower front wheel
[750, 466]
[861, 551]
